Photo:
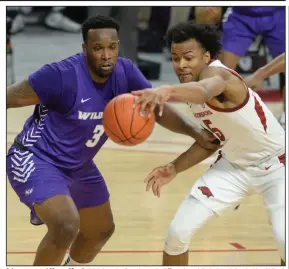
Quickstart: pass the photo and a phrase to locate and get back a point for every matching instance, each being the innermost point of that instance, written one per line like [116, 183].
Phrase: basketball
[123, 124]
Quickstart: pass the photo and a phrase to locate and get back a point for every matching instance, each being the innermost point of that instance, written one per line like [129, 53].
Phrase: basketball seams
[117, 121]
[134, 136]
[105, 127]
[130, 139]
[132, 116]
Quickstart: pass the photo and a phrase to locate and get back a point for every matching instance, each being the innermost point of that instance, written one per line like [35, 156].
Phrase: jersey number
[97, 133]
[214, 130]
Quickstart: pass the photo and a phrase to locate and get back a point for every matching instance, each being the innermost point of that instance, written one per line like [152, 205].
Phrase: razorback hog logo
[206, 191]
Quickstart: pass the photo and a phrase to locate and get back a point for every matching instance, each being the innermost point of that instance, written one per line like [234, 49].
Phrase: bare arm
[276, 66]
[194, 155]
[174, 121]
[212, 83]
[198, 92]
[21, 94]
[163, 175]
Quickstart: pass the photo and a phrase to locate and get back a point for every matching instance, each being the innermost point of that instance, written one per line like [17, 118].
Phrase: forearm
[172, 120]
[21, 94]
[192, 92]
[194, 155]
[198, 92]
[276, 66]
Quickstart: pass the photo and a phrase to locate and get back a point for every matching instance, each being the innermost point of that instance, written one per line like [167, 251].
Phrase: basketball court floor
[241, 237]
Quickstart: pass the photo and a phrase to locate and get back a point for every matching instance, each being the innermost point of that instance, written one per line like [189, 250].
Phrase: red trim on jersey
[260, 113]
[282, 159]
[233, 109]
[218, 158]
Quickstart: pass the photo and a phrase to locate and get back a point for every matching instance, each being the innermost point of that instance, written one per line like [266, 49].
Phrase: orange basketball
[123, 124]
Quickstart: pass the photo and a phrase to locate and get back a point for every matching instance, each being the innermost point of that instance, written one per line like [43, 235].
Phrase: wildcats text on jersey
[89, 115]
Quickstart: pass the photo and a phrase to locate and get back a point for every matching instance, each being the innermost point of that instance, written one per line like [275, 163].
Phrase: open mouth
[106, 66]
[185, 75]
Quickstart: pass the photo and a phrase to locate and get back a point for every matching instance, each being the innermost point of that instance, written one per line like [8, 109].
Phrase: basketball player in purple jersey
[50, 164]
[241, 25]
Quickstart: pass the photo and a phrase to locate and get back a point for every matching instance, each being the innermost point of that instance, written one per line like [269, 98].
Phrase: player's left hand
[152, 97]
[159, 177]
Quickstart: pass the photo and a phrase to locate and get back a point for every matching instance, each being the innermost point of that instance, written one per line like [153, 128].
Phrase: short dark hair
[98, 22]
[207, 35]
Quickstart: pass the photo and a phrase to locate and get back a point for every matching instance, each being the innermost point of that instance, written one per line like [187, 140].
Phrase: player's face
[101, 51]
[189, 59]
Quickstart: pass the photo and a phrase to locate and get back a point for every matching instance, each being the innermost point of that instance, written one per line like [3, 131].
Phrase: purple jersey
[66, 128]
[256, 11]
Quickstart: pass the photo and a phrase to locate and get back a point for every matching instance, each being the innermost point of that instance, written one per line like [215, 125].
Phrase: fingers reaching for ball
[148, 99]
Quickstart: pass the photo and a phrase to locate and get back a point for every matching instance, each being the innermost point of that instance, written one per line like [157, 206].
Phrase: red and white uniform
[252, 161]
[249, 133]
[252, 155]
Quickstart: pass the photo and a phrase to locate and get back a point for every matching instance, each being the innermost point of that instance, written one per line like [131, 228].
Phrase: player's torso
[248, 133]
[72, 139]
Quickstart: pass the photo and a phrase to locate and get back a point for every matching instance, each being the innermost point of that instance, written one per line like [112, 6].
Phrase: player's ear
[207, 57]
[84, 48]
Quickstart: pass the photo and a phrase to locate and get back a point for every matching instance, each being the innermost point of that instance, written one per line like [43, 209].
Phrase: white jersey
[249, 133]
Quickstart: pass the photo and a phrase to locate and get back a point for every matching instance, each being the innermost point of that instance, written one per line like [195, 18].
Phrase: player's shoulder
[69, 64]
[212, 71]
[124, 63]
[217, 69]
[124, 66]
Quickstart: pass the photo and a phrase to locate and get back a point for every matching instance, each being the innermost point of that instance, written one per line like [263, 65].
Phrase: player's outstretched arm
[276, 66]
[21, 94]
[174, 121]
[163, 175]
[210, 85]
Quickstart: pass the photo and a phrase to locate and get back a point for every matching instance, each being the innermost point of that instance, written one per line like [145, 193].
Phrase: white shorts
[224, 185]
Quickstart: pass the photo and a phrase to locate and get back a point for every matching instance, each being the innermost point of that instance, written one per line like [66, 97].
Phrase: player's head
[192, 46]
[100, 44]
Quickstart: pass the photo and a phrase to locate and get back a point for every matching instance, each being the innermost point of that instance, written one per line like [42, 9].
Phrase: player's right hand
[159, 177]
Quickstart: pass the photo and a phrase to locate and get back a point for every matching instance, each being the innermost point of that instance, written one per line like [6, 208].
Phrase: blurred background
[40, 35]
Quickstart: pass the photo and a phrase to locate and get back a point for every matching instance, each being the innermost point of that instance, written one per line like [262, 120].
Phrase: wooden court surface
[241, 237]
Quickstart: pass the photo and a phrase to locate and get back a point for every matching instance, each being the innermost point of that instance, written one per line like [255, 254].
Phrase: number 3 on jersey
[97, 133]
[214, 130]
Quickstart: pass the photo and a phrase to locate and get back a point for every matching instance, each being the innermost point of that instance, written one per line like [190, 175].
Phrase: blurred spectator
[10, 78]
[241, 25]
[57, 18]
[208, 15]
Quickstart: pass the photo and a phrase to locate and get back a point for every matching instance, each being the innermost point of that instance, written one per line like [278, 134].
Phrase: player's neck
[95, 78]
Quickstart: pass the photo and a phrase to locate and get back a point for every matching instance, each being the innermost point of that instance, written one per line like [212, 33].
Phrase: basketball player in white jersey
[252, 156]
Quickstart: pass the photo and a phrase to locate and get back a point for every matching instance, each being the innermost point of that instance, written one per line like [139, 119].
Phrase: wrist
[174, 165]
[168, 89]
[261, 73]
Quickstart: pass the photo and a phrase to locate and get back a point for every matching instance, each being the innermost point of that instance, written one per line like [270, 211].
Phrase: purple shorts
[240, 30]
[35, 180]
